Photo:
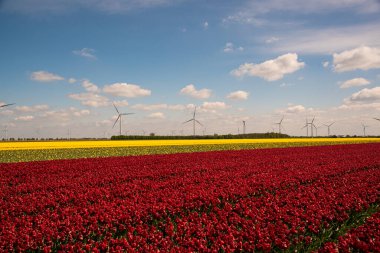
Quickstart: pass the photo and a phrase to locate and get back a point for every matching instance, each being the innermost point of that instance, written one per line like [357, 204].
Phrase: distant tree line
[206, 137]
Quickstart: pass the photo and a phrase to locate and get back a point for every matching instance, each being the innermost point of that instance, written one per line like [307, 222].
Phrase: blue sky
[65, 62]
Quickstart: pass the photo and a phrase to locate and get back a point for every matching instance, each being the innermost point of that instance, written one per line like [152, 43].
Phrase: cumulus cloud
[86, 53]
[121, 103]
[295, 109]
[238, 95]
[214, 106]
[355, 82]
[151, 107]
[270, 70]
[59, 6]
[25, 118]
[126, 90]
[156, 115]
[205, 25]
[44, 76]
[80, 113]
[271, 40]
[328, 40]
[364, 96]
[229, 47]
[191, 91]
[90, 99]
[363, 58]
[34, 108]
[325, 64]
[72, 80]
[90, 87]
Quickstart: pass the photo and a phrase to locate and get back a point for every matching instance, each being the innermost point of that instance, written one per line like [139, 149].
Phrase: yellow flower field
[154, 143]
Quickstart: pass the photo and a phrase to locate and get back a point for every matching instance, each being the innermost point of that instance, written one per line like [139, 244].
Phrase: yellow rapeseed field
[152, 143]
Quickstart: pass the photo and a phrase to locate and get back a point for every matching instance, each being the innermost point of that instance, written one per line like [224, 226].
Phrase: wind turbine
[280, 125]
[194, 120]
[1, 106]
[307, 128]
[311, 126]
[364, 128]
[328, 128]
[119, 117]
[6, 132]
[243, 126]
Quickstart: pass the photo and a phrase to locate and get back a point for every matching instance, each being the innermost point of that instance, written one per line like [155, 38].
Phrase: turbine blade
[198, 122]
[6, 105]
[188, 121]
[116, 121]
[377, 119]
[116, 108]
[195, 109]
[127, 113]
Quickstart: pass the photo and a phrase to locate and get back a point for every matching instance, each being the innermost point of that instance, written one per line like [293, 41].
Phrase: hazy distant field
[52, 150]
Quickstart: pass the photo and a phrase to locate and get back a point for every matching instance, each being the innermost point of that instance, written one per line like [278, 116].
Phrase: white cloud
[176, 107]
[295, 109]
[86, 52]
[156, 115]
[6, 112]
[81, 113]
[126, 90]
[152, 107]
[238, 95]
[355, 82]
[90, 87]
[355, 106]
[34, 108]
[243, 17]
[191, 91]
[327, 40]
[72, 80]
[44, 76]
[25, 118]
[325, 64]
[229, 47]
[271, 40]
[121, 103]
[363, 58]
[90, 99]
[64, 115]
[254, 9]
[205, 25]
[270, 70]
[59, 6]
[214, 106]
[364, 96]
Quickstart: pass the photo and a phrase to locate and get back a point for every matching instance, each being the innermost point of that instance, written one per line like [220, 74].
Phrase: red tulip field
[304, 199]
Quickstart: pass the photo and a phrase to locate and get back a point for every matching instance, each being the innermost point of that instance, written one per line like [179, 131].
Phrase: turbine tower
[280, 125]
[307, 127]
[364, 128]
[243, 126]
[328, 128]
[312, 126]
[193, 120]
[119, 117]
